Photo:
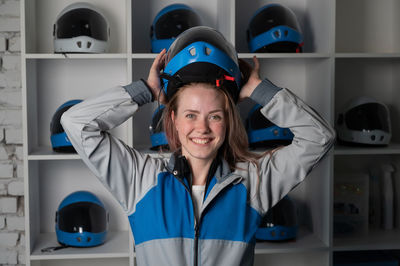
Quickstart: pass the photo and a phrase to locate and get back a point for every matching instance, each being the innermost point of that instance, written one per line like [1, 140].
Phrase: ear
[173, 119]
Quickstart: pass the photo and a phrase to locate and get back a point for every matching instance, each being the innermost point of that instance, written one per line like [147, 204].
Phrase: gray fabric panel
[125, 172]
[264, 92]
[139, 92]
[165, 252]
[286, 167]
[225, 253]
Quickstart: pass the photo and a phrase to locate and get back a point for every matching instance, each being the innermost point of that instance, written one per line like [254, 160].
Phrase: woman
[172, 222]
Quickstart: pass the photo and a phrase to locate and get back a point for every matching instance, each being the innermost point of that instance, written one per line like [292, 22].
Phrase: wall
[12, 238]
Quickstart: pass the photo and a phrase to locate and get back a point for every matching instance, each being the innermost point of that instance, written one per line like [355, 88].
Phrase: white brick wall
[12, 220]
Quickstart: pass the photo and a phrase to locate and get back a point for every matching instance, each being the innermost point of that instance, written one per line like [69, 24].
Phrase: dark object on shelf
[274, 29]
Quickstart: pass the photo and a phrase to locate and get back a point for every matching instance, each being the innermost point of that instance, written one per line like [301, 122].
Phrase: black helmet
[201, 54]
[59, 139]
[364, 121]
[169, 23]
[262, 132]
[81, 28]
[157, 134]
[81, 220]
[274, 29]
[280, 222]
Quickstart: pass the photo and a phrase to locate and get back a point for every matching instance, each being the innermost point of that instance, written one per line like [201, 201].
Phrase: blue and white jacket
[157, 199]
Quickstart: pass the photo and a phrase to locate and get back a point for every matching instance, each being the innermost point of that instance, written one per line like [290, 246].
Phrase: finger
[256, 64]
[156, 61]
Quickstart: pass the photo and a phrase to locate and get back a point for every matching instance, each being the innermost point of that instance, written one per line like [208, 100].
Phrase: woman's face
[200, 122]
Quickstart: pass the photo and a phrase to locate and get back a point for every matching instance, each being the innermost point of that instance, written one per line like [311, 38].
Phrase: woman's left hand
[251, 77]
[153, 79]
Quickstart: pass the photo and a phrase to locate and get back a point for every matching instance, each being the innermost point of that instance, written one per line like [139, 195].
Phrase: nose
[202, 126]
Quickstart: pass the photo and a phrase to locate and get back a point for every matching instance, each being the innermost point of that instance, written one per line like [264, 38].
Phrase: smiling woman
[203, 205]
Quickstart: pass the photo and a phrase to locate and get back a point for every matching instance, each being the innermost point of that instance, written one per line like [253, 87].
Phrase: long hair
[235, 146]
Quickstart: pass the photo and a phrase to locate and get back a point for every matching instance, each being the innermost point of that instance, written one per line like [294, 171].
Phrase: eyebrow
[195, 111]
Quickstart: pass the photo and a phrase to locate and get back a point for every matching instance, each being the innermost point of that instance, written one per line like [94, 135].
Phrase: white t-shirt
[198, 196]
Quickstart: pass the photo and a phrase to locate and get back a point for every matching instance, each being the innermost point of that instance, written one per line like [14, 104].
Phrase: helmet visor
[55, 125]
[283, 214]
[156, 123]
[173, 23]
[82, 22]
[369, 116]
[271, 17]
[258, 121]
[204, 34]
[82, 217]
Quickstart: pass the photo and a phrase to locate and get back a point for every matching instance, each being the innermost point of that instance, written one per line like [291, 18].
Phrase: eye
[190, 116]
[215, 117]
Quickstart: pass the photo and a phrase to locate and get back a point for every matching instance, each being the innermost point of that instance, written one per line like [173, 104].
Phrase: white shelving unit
[352, 47]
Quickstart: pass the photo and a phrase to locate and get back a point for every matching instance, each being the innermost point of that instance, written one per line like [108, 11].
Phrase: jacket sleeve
[283, 169]
[124, 171]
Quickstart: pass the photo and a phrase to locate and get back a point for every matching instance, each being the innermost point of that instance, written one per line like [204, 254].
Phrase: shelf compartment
[372, 77]
[306, 241]
[82, 262]
[392, 148]
[376, 239]
[76, 56]
[39, 23]
[50, 83]
[215, 14]
[367, 26]
[115, 246]
[315, 258]
[316, 19]
[50, 182]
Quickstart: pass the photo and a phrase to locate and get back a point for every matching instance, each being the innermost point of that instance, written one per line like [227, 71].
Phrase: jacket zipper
[196, 225]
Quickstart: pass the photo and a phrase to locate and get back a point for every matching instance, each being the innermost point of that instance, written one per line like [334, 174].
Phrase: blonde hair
[235, 147]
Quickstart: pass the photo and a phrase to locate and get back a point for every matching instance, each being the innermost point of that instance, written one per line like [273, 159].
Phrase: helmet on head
[169, 23]
[263, 133]
[274, 29]
[157, 134]
[201, 54]
[81, 220]
[364, 121]
[59, 139]
[81, 28]
[280, 222]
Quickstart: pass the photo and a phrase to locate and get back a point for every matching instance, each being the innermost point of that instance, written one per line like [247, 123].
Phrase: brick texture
[12, 220]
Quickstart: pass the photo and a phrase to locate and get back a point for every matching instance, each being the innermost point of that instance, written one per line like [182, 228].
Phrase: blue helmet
[274, 29]
[263, 133]
[280, 222]
[169, 23]
[157, 134]
[201, 54]
[59, 139]
[81, 220]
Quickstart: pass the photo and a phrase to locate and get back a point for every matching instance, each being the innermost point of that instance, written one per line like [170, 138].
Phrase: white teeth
[201, 141]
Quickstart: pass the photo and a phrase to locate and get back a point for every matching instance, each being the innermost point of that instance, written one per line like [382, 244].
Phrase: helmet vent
[79, 44]
[192, 51]
[88, 44]
[208, 51]
[276, 34]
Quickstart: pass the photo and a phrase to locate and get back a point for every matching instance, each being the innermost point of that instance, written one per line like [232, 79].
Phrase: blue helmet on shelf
[59, 139]
[169, 23]
[157, 134]
[201, 54]
[274, 29]
[81, 220]
[263, 133]
[280, 222]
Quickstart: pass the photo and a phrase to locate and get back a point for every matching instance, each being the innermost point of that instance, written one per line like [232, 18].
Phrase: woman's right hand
[153, 80]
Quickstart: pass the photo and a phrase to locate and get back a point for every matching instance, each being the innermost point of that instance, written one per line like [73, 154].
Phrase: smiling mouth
[201, 140]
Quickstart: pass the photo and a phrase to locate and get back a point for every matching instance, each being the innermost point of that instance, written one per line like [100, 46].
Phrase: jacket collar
[179, 167]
